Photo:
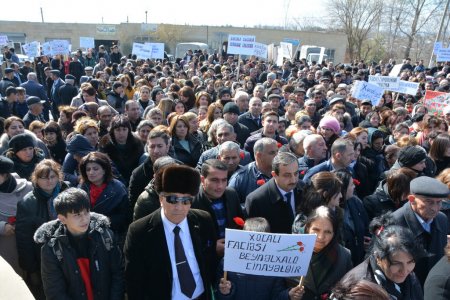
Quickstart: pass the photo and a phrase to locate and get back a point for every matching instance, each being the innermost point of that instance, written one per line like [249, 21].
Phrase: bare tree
[414, 15]
[356, 18]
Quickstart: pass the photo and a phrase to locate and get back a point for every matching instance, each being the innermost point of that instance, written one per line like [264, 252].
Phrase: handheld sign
[241, 44]
[406, 87]
[32, 49]
[437, 47]
[268, 254]
[443, 54]
[87, 42]
[59, 47]
[156, 50]
[3, 40]
[436, 101]
[396, 70]
[260, 50]
[365, 90]
[286, 49]
[386, 82]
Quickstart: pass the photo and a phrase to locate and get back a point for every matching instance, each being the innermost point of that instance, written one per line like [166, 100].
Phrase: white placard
[138, 49]
[386, 82]
[395, 70]
[241, 44]
[268, 254]
[87, 42]
[437, 47]
[286, 49]
[406, 87]
[443, 55]
[32, 49]
[260, 50]
[365, 90]
[156, 50]
[59, 47]
[3, 40]
[46, 49]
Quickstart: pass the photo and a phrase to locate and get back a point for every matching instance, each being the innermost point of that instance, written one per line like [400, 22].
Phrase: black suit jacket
[148, 270]
[247, 120]
[232, 207]
[433, 242]
[267, 202]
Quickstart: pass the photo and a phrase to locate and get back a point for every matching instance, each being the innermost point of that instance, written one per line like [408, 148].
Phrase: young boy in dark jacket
[79, 258]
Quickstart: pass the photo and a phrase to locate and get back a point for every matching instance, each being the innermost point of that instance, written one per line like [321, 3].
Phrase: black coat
[188, 158]
[433, 242]
[247, 120]
[231, 203]
[62, 278]
[126, 160]
[267, 202]
[66, 93]
[379, 202]
[32, 212]
[437, 285]
[140, 178]
[147, 202]
[148, 270]
[242, 133]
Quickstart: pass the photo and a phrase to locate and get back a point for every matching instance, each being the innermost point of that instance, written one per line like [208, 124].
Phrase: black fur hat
[177, 179]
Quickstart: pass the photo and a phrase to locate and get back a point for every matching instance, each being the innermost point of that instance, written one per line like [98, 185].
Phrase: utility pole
[438, 36]
[146, 17]
[42, 15]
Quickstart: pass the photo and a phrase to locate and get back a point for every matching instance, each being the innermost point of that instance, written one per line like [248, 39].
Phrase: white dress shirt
[185, 237]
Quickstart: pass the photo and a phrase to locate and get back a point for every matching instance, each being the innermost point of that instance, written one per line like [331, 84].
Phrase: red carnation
[302, 172]
[12, 220]
[241, 155]
[324, 296]
[260, 182]
[279, 145]
[356, 182]
[239, 221]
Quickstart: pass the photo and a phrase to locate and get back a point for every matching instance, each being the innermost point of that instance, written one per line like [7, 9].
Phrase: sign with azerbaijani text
[46, 49]
[156, 50]
[87, 42]
[260, 50]
[406, 87]
[366, 90]
[386, 82]
[32, 49]
[443, 55]
[59, 47]
[437, 47]
[436, 101]
[241, 44]
[268, 254]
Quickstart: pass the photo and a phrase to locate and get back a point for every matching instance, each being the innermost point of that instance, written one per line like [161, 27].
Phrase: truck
[312, 53]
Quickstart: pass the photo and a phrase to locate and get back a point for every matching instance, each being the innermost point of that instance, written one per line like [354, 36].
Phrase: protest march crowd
[119, 176]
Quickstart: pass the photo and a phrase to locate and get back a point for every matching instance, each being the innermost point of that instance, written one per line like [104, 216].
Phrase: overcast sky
[197, 12]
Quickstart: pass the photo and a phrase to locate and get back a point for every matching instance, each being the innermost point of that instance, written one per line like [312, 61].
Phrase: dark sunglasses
[174, 199]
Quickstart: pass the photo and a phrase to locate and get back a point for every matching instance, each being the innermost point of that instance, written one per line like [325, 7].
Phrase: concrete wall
[127, 33]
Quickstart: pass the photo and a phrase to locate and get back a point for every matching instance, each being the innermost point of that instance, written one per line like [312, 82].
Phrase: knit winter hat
[330, 122]
[411, 155]
[21, 141]
[79, 145]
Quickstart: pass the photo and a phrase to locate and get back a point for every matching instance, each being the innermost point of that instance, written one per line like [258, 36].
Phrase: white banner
[46, 49]
[286, 49]
[241, 44]
[156, 50]
[365, 90]
[406, 87]
[260, 50]
[443, 55]
[87, 42]
[137, 49]
[59, 47]
[3, 40]
[396, 70]
[268, 254]
[32, 49]
[386, 82]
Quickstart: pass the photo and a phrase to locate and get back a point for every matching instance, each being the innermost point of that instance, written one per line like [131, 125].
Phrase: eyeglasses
[174, 199]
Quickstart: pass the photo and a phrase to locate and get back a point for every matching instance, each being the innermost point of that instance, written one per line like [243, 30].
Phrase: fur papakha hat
[177, 179]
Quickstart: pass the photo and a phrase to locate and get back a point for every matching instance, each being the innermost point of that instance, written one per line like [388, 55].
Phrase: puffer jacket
[32, 212]
[61, 275]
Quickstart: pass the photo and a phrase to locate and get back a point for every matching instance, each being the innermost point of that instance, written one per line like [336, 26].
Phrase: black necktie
[187, 282]
[288, 201]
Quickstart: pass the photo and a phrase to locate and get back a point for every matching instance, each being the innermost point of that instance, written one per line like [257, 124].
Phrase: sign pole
[238, 68]
[225, 273]
[302, 278]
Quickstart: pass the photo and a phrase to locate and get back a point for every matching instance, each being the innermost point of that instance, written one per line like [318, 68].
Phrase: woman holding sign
[330, 261]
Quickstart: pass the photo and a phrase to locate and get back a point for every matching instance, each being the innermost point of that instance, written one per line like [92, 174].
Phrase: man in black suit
[276, 200]
[422, 215]
[220, 201]
[252, 118]
[170, 254]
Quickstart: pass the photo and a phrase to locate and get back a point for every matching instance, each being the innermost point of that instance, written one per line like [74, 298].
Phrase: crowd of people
[120, 175]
